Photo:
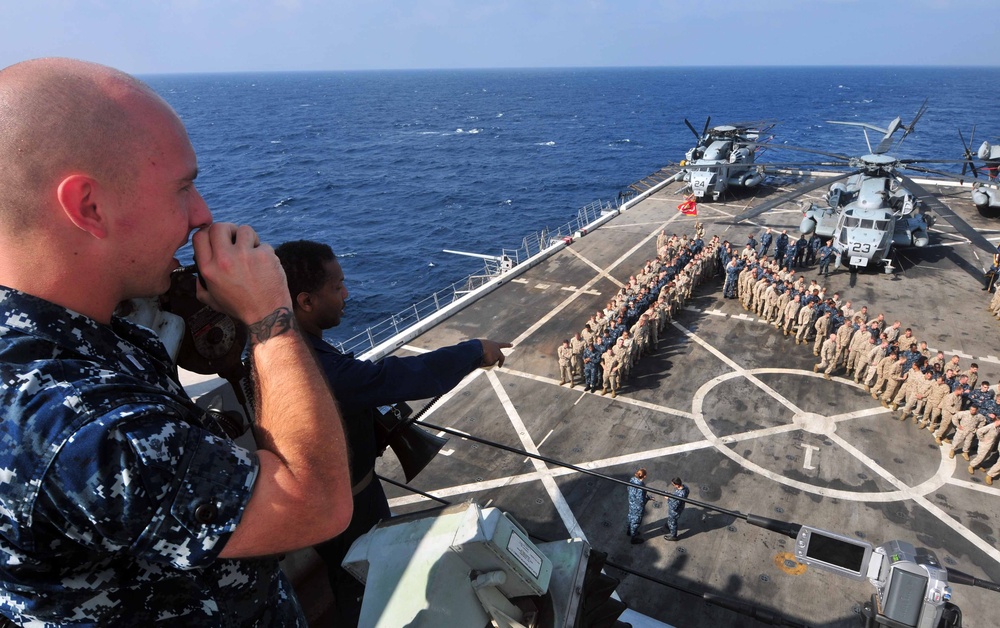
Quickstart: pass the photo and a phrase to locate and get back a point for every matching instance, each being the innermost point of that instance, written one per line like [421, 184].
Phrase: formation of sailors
[604, 352]
[894, 366]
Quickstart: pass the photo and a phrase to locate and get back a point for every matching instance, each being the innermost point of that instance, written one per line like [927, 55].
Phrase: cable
[775, 525]
[730, 604]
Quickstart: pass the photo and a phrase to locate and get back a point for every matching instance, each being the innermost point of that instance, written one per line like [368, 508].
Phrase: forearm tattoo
[274, 324]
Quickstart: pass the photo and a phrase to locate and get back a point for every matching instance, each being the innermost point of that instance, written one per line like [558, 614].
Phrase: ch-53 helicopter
[724, 157]
[985, 194]
[877, 208]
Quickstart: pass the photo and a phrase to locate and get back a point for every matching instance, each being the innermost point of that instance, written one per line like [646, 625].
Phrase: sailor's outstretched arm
[302, 493]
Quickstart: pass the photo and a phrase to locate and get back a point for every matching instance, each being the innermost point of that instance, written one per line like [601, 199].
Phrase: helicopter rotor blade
[968, 153]
[768, 166]
[958, 224]
[940, 173]
[707, 121]
[844, 158]
[753, 212]
[920, 112]
[691, 126]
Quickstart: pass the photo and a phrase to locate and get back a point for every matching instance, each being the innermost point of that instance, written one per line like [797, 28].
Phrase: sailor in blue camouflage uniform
[825, 254]
[89, 509]
[812, 248]
[591, 367]
[781, 246]
[637, 498]
[765, 242]
[733, 269]
[790, 253]
[121, 502]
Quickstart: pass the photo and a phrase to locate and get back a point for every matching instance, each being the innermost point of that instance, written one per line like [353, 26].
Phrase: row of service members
[613, 339]
[791, 253]
[894, 367]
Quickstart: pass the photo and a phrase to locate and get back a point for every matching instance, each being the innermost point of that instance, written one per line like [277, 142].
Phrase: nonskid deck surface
[733, 407]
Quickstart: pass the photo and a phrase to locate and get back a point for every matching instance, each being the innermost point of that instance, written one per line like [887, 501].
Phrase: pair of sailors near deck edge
[316, 282]
[637, 498]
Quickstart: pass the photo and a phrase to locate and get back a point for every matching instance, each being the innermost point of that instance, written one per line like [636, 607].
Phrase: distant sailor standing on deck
[124, 504]
[765, 242]
[565, 355]
[781, 246]
[316, 281]
[637, 498]
[675, 507]
[825, 258]
[577, 343]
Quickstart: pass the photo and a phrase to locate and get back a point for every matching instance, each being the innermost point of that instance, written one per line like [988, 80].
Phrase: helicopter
[877, 208]
[724, 157]
[985, 195]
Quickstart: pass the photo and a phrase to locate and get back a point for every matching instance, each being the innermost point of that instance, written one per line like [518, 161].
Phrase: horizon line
[596, 67]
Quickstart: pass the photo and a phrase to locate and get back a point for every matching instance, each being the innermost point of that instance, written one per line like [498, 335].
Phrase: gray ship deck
[730, 405]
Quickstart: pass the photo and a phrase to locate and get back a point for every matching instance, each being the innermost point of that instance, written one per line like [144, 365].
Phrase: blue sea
[392, 167]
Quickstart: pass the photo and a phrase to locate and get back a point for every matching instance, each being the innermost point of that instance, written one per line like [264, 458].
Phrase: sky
[185, 36]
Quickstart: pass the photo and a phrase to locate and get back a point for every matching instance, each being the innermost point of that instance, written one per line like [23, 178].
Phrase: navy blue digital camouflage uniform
[674, 509]
[591, 367]
[117, 493]
[780, 247]
[765, 243]
[812, 248]
[825, 257]
[637, 499]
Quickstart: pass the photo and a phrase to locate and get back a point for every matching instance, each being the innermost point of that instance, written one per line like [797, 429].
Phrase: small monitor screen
[836, 552]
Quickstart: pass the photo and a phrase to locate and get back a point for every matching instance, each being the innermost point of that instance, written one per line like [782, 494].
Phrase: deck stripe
[555, 494]
[559, 308]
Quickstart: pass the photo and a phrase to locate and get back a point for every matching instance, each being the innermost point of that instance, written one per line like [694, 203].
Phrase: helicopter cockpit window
[850, 222]
[882, 225]
[867, 224]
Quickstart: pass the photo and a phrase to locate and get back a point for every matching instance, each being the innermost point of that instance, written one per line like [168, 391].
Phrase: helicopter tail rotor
[920, 112]
[885, 144]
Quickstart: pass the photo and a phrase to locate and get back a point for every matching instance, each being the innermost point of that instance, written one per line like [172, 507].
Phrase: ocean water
[392, 167]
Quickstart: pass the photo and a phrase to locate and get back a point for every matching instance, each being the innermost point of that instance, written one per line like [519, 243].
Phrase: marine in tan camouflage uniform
[822, 327]
[968, 422]
[577, 344]
[828, 356]
[987, 438]
[932, 409]
[804, 320]
[565, 354]
[950, 407]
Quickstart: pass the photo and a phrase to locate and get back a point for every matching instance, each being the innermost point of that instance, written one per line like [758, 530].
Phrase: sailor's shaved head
[61, 117]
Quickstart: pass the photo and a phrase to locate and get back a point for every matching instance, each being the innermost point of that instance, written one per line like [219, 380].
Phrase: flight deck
[733, 407]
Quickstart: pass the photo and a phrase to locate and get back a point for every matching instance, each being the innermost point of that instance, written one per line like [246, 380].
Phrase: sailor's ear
[304, 301]
[82, 200]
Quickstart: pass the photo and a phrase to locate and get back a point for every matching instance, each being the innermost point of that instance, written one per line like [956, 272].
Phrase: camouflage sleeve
[141, 480]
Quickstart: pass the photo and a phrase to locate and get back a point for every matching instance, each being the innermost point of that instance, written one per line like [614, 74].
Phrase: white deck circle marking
[827, 425]
[815, 423]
